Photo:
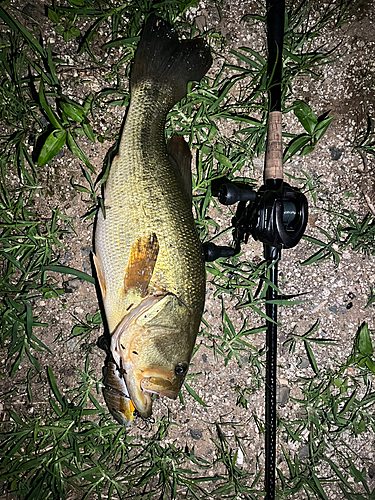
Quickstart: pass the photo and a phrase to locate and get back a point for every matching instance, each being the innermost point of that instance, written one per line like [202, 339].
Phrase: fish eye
[181, 368]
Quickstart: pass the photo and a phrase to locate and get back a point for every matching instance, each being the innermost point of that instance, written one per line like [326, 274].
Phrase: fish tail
[160, 56]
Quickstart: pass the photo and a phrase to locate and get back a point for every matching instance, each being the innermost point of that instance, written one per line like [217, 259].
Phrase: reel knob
[213, 252]
[229, 194]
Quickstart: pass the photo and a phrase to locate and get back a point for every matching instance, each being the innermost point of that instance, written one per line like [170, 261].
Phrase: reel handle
[229, 194]
[213, 252]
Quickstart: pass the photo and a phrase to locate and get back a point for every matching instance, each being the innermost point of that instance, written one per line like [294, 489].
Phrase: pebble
[196, 434]
[282, 395]
[71, 285]
[336, 153]
[303, 363]
[86, 250]
[304, 452]
[72, 344]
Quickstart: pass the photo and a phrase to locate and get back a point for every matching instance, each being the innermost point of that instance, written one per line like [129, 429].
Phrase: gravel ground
[334, 295]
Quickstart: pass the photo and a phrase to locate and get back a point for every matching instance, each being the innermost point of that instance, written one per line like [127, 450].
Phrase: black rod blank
[275, 37]
[272, 255]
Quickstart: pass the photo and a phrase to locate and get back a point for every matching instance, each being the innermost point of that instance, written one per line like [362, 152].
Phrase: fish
[116, 395]
[147, 253]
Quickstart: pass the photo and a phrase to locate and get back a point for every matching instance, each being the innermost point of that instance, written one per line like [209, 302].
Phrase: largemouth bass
[148, 256]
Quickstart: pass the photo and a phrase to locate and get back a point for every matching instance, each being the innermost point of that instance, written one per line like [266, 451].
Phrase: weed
[364, 141]
[74, 445]
[332, 405]
[358, 234]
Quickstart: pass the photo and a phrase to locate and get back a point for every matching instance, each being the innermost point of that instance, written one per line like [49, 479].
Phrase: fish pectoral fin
[143, 255]
[100, 274]
[179, 153]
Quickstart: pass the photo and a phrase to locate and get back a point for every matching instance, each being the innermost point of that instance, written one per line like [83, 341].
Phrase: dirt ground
[335, 295]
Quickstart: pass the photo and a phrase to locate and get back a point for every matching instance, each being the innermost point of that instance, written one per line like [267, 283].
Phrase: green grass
[73, 447]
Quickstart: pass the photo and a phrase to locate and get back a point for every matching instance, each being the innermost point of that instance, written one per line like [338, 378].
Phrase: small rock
[336, 153]
[85, 251]
[75, 283]
[67, 257]
[304, 452]
[282, 395]
[71, 285]
[200, 22]
[196, 434]
[87, 267]
[371, 471]
[342, 309]
[244, 360]
[333, 309]
[72, 343]
[240, 457]
[304, 363]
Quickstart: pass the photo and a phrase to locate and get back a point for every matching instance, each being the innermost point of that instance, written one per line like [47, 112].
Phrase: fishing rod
[276, 215]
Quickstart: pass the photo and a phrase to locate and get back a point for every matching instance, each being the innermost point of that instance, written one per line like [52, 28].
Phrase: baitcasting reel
[275, 215]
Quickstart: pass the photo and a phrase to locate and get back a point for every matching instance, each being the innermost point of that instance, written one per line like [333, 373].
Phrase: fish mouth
[160, 386]
[142, 387]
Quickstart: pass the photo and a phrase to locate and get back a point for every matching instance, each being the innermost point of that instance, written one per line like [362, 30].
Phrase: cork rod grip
[273, 168]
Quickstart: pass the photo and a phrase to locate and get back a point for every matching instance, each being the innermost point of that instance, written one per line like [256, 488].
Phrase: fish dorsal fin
[143, 255]
[179, 153]
[100, 274]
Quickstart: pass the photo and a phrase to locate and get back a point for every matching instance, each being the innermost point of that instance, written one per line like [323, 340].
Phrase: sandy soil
[335, 295]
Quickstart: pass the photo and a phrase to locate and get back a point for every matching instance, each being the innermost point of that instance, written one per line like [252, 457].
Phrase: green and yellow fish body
[148, 256]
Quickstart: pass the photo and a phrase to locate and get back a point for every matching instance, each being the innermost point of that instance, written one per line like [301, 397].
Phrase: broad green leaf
[53, 16]
[77, 151]
[79, 329]
[305, 115]
[53, 118]
[74, 111]
[54, 387]
[311, 357]
[54, 142]
[88, 130]
[74, 31]
[296, 145]
[321, 128]
[307, 150]
[364, 341]
[223, 160]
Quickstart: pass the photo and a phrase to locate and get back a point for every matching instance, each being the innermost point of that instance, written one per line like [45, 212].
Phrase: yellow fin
[100, 274]
[142, 260]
